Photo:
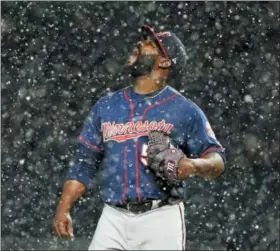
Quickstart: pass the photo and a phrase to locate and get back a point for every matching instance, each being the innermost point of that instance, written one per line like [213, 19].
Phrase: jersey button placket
[132, 118]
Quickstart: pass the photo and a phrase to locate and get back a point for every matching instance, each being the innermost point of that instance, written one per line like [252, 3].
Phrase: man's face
[142, 60]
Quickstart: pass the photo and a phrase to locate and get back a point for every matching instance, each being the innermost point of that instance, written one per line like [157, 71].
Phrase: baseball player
[147, 139]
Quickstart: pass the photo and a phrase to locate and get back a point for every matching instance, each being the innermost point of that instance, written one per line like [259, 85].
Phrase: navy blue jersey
[115, 133]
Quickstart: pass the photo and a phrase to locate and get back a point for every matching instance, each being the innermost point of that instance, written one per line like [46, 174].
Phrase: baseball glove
[163, 157]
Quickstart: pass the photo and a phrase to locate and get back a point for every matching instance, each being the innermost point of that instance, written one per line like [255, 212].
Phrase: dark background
[58, 58]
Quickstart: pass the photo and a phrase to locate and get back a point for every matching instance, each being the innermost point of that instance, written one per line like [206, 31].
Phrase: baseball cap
[170, 46]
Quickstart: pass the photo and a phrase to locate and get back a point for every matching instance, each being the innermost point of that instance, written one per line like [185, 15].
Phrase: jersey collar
[138, 97]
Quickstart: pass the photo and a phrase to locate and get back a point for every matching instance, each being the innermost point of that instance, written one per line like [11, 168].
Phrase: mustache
[142, 65]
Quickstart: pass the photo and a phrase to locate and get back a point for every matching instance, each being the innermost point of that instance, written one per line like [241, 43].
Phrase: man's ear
[164, 63]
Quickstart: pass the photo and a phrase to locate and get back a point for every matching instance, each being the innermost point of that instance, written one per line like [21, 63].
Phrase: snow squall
[58, 58]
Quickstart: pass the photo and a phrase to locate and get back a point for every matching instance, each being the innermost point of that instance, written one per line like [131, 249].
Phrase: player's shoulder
[185, 102]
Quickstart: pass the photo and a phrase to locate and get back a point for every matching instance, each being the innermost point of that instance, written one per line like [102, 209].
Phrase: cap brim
[147, 31]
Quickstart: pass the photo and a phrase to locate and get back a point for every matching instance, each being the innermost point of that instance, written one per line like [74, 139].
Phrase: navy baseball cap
[169, 45]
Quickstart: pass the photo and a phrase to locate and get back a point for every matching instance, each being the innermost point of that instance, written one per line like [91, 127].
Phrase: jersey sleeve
[85, 166]
[91, 135]
[90, 150]
[200, 138]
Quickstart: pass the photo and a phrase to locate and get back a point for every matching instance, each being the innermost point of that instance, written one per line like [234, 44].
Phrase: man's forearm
[210, 166]
[72, 190]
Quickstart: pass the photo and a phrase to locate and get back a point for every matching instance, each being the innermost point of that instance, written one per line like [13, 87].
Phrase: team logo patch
[130, 130]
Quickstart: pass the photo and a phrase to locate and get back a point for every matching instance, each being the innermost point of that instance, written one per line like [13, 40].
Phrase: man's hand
[170, 163]
[62, 225]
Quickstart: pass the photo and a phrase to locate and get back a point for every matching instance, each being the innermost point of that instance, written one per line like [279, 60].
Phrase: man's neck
[144, 85]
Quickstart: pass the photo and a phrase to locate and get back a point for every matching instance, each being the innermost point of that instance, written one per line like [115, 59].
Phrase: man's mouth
[132, 60]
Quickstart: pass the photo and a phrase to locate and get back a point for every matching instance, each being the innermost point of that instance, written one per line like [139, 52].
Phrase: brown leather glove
[163, 157]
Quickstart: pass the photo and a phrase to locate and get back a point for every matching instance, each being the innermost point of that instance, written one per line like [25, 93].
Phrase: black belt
[142, 206]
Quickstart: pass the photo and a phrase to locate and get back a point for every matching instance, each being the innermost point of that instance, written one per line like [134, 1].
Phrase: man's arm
[78, 178]
[62, 223]
[72, 190]
[211, 165]
[206, 156]
[88, 158]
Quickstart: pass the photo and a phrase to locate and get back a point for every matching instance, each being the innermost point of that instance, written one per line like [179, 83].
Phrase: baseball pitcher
[148, 139]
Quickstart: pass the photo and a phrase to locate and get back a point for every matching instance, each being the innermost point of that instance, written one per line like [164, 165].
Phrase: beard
[142, 67]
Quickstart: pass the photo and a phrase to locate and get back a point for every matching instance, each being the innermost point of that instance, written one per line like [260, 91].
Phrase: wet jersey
[114, 138]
